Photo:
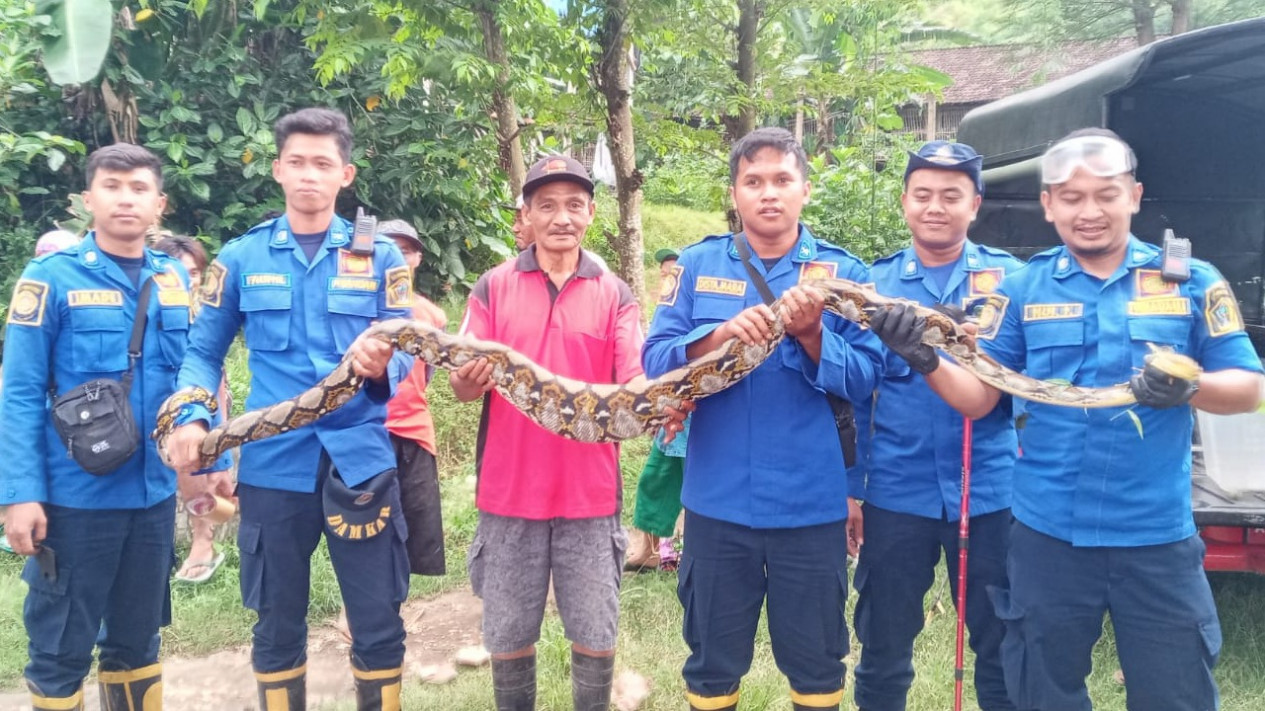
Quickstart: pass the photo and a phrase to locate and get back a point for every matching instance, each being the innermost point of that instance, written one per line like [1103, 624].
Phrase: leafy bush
[697, 180]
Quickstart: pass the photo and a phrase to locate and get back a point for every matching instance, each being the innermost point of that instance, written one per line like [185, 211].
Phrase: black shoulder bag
[842, 409]
[94, 420]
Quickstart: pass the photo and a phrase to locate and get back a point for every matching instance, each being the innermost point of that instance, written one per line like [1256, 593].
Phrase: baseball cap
[665, 254]
[54, 241]
[551, 169]
[943, 155]
[401, 228]
[359, 512]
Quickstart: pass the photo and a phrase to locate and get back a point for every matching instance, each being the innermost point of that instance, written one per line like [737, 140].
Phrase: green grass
[210, 616]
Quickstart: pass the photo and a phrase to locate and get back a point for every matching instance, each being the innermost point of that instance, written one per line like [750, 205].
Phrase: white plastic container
[1234, 450]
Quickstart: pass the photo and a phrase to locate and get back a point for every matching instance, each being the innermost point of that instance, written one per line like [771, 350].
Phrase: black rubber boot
[132, 690]
[801, 707]
[514, 683]
[816, 702]
[284, 690]
[377, 689]
[591, 679]
[40, 702]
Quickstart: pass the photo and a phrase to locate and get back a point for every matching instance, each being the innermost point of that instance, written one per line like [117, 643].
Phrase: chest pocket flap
[350, 313]
[1056, 349]
[717, 308]
[1166, 331]
[267, 318]
[99, 339]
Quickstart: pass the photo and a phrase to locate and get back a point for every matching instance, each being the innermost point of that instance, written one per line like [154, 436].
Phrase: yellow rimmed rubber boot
[132, 690]
[40, 702]
[378, 689]
[728, 702]
[816, 702]
[283, 690]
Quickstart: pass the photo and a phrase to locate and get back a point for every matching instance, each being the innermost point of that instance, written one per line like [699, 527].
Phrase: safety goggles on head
[1102, 156]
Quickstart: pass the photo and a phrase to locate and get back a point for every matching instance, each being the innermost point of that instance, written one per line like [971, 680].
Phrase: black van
[1193, 108]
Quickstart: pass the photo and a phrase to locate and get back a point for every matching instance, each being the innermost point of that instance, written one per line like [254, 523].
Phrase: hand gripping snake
[600, 412]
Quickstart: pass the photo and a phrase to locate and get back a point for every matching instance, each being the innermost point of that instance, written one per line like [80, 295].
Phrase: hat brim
[534, 185]
[417, 243]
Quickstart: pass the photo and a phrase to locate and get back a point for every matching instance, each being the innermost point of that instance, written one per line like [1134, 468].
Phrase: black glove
[1155, 388]
[901, 330]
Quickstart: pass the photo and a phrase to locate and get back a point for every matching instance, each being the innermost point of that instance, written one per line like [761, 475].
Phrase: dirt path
[223, 681]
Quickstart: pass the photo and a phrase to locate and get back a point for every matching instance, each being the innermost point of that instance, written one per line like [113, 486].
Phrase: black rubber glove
[901, 330]
[1155, 388]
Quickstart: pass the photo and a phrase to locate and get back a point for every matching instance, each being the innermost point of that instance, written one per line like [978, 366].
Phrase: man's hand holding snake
[370, 357]
[801, 312]
[1158, 388]
[751, 326]
[901, 329]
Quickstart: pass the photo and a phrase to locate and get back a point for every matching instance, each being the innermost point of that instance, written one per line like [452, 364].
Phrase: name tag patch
[353, 284]
[716, 285]
[94, 297]
[1052, 312]
[168, 297]
[258, 280]
[1160, 306]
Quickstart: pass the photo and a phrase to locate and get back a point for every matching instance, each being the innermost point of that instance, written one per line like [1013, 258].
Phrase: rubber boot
[728, 702]
[377, 689]
[283, 690]
[514, 683]
[816, 702]
[591, 679]
[132, 690]
[40, 702]
[643, 552]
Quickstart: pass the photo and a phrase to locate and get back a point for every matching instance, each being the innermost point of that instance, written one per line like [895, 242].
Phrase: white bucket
[1234, 450]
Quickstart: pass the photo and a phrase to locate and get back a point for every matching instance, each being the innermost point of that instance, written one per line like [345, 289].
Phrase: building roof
[991, 72]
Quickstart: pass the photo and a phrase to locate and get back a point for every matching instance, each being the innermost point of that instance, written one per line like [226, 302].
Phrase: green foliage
[699, 181]
[78, 40]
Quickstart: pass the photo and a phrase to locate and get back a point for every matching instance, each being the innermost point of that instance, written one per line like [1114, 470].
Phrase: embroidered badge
[168, 279]
[1148, 283]
[1221, 310]
[985, 281]
[1052, 312]
[716, 285]
[354, 264]
[353, 284]
[817, 270]
[990, 315]
[257, 280]
[670, 286]
[213, 284]
[169, 297]
[94, 297]
[399, 288]
[27, 307]
[1160, 306]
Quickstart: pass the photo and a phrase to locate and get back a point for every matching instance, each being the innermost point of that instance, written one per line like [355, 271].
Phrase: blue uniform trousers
[279, 531]
[1165, 621]
[112, 567]
[895, 571]
[726, 572]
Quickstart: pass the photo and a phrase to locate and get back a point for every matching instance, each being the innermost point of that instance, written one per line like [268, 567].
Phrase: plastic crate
[1234, 450]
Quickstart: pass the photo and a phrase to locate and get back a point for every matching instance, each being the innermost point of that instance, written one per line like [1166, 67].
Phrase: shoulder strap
[744, 252]
[134, 346]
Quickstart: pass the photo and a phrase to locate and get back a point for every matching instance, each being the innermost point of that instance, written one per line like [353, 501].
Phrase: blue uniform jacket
[72, 315]
[1088, 476]
[909, 441]
[299, 319]
[764, 453]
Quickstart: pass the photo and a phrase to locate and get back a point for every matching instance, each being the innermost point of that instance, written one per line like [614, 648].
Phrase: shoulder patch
[817, 270]
[670, 286]
[29, 299]
[399, 287]
[213, 284]
[1221, 310]
[989, 313]
[717, 285]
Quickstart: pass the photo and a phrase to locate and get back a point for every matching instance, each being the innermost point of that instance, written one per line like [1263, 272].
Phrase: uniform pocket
[173, 338]
[1167, 331]
[1210, 631]
[1014, 648]
[349, 315]
[1056, 349]
[99, 339]
[267, 318]
[685, 593]
[47, 607]
[716, 308]
[249, 542]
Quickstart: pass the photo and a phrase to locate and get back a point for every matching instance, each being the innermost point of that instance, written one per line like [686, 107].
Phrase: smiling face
[769, 192]
[1093, 215]
[124, 203]
[311, 171]
[939, 207]
[558, 214]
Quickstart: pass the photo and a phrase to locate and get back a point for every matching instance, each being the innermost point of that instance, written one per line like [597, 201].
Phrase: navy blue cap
[943, 155]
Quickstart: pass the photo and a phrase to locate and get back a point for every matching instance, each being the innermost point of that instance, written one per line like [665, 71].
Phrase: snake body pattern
[597, 412]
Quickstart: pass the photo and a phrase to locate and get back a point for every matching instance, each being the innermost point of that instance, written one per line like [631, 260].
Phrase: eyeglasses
[1098, 155]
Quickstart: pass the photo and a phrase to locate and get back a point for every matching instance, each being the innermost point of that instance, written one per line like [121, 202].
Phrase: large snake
[600, 412]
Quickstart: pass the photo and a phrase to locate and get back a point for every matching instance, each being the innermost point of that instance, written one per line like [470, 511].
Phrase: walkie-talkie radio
[363, 233]
[1176, 264]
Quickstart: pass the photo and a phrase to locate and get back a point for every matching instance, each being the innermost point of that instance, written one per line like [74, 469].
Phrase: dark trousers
[726, 573]
[279, 531]
[112, 567]
[1165, 621]
[419, 494]
[895, 571]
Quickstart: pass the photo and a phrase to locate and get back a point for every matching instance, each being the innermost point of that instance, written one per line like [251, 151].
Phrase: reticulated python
[593, 412]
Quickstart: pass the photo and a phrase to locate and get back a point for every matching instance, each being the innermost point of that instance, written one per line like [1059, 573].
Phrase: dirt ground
[223, 681]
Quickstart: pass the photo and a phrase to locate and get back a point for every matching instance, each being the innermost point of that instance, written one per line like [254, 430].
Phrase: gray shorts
[510, 563]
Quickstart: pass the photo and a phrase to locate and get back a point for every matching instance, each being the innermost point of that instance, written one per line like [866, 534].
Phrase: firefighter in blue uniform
[302, 292]
[1102, 501]
[909, 474]
[765, 488]
[101, 546]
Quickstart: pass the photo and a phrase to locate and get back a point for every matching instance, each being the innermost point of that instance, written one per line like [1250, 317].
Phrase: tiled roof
[991, 72]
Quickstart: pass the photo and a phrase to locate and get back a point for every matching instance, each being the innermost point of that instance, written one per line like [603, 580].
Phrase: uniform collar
[336, 237]
[1138, 254]
[971, 260]
[585, 269]
[92, 257]
[804, 249]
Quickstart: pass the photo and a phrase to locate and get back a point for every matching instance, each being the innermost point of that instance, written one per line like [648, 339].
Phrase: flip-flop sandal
[208, 569]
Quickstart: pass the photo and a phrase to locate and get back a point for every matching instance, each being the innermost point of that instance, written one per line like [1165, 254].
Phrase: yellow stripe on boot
[74, 702]
[817, 701]
[712, 703]
[378, 689]
[132, 689]
[284, 690]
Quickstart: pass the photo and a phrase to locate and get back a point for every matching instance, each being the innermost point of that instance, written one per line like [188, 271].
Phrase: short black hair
[180, 245]
[778, 139]
[315, 122]
[124, 158]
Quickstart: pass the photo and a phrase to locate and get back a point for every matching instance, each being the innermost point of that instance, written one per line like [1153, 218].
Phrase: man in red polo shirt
[548, 505]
